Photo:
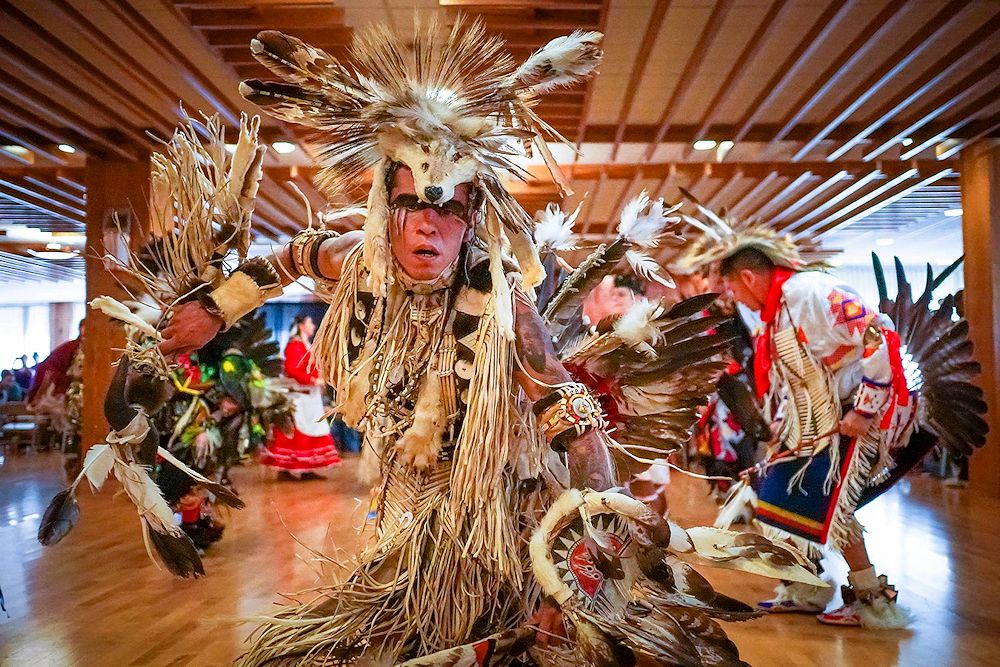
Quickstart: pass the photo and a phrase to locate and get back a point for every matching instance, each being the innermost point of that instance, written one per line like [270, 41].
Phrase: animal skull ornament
[449, 104]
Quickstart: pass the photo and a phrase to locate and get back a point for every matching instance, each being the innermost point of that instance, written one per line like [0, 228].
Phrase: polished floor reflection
[96, 600]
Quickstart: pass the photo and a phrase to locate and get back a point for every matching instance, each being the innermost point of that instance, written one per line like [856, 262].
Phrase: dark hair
[747, 258]
[630, 282]
[298, 320]
[6, 372]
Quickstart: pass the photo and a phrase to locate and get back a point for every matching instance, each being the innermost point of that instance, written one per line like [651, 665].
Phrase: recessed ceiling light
[885, 241]
[284, 147]
[726, 145]
[52, 254]
[15, 149]
[953, 212]
[66, 148]
[704, 145]
[907, 141]
[53, 246]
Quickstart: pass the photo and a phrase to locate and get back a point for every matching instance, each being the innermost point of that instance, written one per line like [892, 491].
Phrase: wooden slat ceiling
[843, 114]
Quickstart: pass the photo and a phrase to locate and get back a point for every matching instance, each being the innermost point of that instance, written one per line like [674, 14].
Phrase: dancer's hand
[189, 329]
[854, 424]
[549, 621]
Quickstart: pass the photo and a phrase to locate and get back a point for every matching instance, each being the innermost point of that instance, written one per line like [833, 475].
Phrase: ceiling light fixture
[704, 144]
[52, 254]
[953, 212]
[230, 148]
[66, 148]
[907, 141]
[284, 147]
[53, 246]
[15, 149]
[885, 241]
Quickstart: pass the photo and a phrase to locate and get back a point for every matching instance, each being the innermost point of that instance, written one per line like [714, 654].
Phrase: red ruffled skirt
[299, 453]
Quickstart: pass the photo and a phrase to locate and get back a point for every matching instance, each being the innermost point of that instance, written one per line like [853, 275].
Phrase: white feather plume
[647, 268]
[554, 229]
[644, 222]
[97, 465]
[561, 62]
[117, 310]
[637, 325]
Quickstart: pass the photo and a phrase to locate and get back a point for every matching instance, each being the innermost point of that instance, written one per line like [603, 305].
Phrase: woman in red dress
[311, 446]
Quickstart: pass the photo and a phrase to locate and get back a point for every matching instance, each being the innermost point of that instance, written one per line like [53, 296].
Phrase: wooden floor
[95, 599]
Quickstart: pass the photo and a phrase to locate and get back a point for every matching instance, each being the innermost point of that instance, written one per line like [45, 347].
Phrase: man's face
[7, 380]
[426, 239]
[748, 287]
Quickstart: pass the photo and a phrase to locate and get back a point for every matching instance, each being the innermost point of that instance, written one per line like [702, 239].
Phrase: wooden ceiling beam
[73, 198]
[853, 204]
[241, 36]
[773, 202]
[810, 195]
[77, 131]
[708, 34]
[822, 28]
[749, 54]
[283, 18]
[56, 201]
[632, 89]
[987, 128]
[152, 37]
[24, 62]
[827, 203]
[894, 65]
[111, 87]
[686, 170]
[753, 193]
[719, 200]
[566, 18]
[892, 197]
[40, 205]
[19, 137]
[848, 57]
[490, 5]
[944, 103]
[924, 85]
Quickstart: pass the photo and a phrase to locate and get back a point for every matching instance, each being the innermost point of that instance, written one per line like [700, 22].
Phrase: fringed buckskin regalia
[822, 353]
[483, 514]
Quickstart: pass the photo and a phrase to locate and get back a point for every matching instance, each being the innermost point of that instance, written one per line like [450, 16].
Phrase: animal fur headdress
[451, 105]
[723, 237]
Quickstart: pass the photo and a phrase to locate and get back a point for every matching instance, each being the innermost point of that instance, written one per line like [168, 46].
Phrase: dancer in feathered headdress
[847, 409]
[439, 355]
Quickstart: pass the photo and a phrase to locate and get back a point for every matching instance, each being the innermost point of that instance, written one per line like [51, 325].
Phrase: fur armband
[248, 287]
[872, 397]
[305, 248]
[569, 411]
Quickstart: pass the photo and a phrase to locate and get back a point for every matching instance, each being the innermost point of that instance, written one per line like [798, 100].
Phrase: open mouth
[426, 252]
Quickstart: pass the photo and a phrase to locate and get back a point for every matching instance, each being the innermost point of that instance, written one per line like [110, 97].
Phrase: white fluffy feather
[637, 325]
[561, 62]
[647, 268]
[554, 229]
[97, 465]
[117, 310]
[643, 222]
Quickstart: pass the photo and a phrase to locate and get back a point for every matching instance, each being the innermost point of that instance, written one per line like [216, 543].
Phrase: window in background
[12, 335]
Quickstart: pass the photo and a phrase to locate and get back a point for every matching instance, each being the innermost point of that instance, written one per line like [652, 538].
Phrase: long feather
[223, 493]
[60, 516]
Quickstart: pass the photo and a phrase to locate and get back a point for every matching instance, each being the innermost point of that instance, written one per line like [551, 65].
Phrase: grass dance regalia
[854, 400]
[227, 401]
[493, 495]
[201, 206]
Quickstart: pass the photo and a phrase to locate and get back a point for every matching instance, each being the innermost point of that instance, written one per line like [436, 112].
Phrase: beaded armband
[568, 412]
[247, 287]
[872, 397]
[305, 248]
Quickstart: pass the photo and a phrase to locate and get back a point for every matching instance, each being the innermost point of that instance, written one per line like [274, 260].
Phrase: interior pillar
[116, 190]
[61, 325]
[980, 183]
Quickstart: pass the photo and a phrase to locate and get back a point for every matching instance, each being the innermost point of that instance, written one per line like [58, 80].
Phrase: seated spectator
[9, 389]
